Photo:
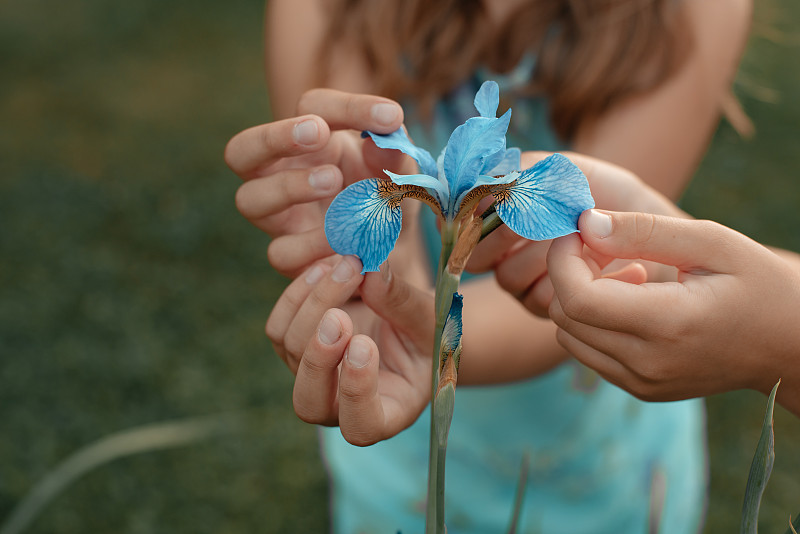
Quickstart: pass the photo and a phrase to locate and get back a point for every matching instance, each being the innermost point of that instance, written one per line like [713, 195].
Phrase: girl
[639, 83]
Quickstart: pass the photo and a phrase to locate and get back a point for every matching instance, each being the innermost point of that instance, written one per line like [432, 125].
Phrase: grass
[131, 292]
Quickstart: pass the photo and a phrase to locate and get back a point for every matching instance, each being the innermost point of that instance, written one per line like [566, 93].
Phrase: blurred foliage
[131, 291]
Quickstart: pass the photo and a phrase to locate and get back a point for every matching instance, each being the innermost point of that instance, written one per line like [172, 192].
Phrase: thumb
[405, 307]
[691, 245]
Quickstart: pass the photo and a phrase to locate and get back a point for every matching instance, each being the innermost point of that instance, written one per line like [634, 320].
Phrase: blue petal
[487, 99]
[497, 180]
[422, 180]
[398, 140]
[451, 333]
[365, 220]
[546, 200]
[509, 163]
[474, 147]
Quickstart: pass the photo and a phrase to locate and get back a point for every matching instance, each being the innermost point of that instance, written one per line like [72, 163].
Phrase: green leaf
[760, 470]
[443, 407]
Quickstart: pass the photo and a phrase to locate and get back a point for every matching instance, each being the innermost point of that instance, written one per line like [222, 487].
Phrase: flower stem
[446, 286]
[490, 221]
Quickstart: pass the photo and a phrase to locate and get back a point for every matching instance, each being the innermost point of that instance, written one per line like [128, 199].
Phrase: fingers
[268, 196]
[292, 253]
[361, 412]
[316, 388]
[341, 110]
[537, 299]
[692, 246]
[296, 315]
[260, 146]
[495, 249]
[607, 367]
[586, 297]
[625, 348]
[341, 384]
[631, 273]
[407, 308]
[523, 273]
[651, 377]
[337, 382]
[320, 111]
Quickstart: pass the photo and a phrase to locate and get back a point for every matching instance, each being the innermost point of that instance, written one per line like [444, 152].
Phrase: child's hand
[729, 322]
[365, 367]
[293, 168]
[520, 265]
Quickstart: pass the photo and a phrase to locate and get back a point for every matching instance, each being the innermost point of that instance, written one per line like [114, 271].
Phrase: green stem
[491, 221]
[446, 285]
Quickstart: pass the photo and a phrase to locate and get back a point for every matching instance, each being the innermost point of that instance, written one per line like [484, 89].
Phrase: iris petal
[398, 140]
[451, 333]
[365, 220]
[474, 147]
[546, 200]
[487, 99]
[496, 180]
[509, 163]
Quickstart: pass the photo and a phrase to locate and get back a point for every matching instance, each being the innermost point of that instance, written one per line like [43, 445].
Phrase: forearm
[294, 35]
[662, 135]
[784, 363]
[503, 342]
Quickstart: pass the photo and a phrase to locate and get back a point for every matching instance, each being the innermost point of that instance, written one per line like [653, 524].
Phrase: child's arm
[729, 322]
[662, 135]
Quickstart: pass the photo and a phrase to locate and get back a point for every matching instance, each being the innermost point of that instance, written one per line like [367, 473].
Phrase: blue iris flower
[542, 202]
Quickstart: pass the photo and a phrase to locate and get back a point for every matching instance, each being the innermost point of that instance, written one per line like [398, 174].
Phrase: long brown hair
[590, 53]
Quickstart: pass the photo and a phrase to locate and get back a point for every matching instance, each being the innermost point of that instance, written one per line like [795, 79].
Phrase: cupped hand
[292, 168]
[726, 323]
[363, 365]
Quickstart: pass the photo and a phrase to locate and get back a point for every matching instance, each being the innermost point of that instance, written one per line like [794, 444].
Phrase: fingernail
[597, 223]
[306, 132]
[385, 114]
[330, 329]
[322, 179]
[314, 275]
[358, 353]
[344, 271]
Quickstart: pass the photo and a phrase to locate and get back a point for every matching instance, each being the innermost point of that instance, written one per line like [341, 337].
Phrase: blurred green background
[132, 292]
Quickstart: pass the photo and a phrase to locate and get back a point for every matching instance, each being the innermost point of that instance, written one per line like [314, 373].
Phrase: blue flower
[542, 202]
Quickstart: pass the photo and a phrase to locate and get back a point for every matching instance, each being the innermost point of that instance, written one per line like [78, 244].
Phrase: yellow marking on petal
[474, 196]
[393, 194]
[390, 192]
[501, 192]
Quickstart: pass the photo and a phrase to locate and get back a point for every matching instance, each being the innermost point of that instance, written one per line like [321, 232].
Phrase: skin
[317, 326]
[728, 322]
[366, 365]
[659, 136]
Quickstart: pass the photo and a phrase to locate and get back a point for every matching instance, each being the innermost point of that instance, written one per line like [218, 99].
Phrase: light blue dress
[601, 462]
